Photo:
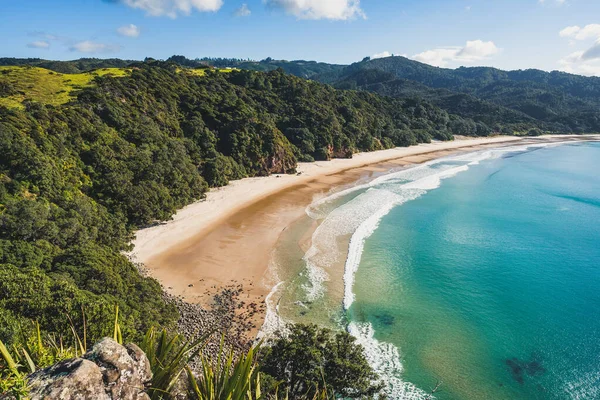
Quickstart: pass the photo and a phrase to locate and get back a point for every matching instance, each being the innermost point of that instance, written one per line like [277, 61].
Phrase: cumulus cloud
[319, 9]
[472, 51]
[130, 30]
[94, 47]
[584, 62]
[243, 11]
[39, 44]
[591, 31]
[383, 54]
[173, 8]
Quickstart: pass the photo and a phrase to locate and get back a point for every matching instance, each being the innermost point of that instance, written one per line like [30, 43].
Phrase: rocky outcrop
[71, 379]
[109, 371]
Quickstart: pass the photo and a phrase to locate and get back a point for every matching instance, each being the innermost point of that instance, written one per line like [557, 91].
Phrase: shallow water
[481, 271]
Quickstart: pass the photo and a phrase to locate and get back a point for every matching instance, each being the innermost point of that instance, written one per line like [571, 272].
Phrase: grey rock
[109, 371]
[125, 374]
[68, 380]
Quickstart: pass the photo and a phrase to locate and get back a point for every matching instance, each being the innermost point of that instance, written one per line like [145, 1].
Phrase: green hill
[554, 101]
[20, 84]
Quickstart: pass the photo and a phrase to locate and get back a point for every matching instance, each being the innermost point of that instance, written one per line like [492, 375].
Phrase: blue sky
[509, 34]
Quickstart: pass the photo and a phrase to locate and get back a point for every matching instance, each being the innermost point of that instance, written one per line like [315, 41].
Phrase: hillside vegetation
[511, 102]
[552, 101]
[507, 101]
[80, 172]
[67, 67]
[20, 84]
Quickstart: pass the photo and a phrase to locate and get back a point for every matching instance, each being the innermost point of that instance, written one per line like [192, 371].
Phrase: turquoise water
[489, 283]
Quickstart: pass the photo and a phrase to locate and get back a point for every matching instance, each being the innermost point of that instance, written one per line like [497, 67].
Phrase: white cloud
[473, 51]
[130, 30]
[574, 63]
[320, 9]
[591, 31]
[476, 50]
[243, 11]
[172, 8]
[94, 47]
[39, 44]
[584, 62]
[383, 54]
[437, 57]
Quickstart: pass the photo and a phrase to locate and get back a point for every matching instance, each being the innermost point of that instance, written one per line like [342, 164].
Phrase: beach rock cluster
[108, 371]
[228, 314]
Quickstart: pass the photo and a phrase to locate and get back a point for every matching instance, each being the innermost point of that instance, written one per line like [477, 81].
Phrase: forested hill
[557, 101]
[86, 158]
[551, 101]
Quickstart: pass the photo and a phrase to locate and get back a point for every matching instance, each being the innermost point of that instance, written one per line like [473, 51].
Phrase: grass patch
[45, 86]
[202, 71]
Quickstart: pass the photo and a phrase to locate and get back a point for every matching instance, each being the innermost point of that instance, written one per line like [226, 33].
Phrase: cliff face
[280, 158]
[109, 371]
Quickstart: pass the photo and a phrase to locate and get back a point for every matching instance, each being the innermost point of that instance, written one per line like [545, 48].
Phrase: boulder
[71, 379]
[126, 370]
[109, 371]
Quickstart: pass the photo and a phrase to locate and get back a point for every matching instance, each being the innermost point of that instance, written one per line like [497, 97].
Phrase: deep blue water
[491, 282]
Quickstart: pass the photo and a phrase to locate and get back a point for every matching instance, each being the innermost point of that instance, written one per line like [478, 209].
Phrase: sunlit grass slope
[45, 86]
[202, 71]
[49, 87]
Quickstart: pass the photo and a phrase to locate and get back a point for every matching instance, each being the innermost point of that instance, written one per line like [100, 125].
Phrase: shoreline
[228, 238]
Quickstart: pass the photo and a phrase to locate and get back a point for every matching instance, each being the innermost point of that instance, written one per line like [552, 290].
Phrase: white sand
[204, 215]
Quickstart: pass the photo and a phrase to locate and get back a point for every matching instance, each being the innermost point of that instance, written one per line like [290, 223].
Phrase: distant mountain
[465, 105]
[301, 68]
[556, 100]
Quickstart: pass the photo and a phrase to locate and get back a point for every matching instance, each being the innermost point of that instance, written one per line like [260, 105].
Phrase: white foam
[357, 242]
[342, 221]
[385, 360]
[273, 321]
[408, 191]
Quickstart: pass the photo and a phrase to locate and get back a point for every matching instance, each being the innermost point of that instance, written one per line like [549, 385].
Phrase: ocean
[478, 274]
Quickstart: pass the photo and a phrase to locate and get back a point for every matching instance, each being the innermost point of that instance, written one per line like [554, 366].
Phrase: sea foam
[385, 360]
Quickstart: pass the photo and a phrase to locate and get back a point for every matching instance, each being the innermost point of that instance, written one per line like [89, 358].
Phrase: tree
[310, 357]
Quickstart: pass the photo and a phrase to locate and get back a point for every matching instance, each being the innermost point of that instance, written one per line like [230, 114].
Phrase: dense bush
[309, 358]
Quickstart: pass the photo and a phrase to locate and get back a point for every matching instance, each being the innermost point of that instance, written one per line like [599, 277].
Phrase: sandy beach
[228, 237]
